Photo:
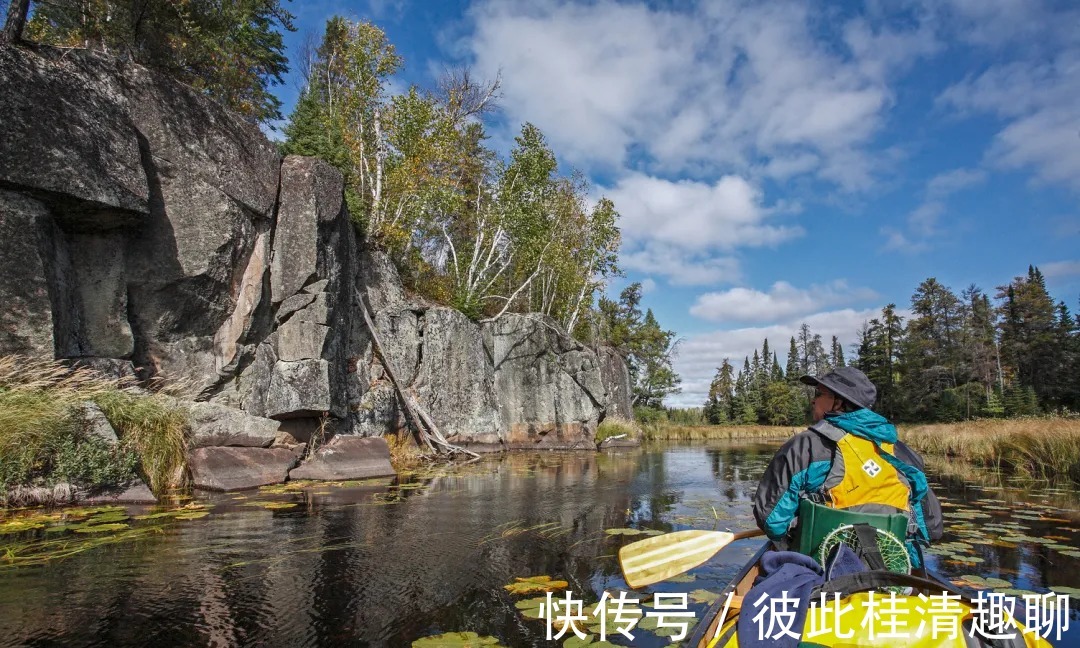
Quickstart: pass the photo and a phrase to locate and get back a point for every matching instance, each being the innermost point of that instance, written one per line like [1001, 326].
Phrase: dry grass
[711, 432]
[1041, 448]
[157, 428]
[615, 427]
[404, 453]
[38, 398]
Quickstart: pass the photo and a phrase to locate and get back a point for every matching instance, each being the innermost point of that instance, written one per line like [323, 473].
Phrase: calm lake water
[385, 563]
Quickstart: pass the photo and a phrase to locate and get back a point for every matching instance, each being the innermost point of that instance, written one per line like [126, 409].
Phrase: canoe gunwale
[740, 584]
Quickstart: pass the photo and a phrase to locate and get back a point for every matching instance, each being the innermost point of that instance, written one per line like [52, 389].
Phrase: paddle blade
[660, 557]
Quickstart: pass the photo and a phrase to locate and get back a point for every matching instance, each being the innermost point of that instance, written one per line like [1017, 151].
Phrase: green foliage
[93, 462]
[649, 415]
[648, 348]
[686, 416]
[464, 228]
[42, 444]
[230, 49]
[719, 407]
[156, 428]
[960, 357]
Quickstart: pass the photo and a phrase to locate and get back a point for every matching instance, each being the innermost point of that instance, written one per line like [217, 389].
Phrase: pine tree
[15, 21]
[792, 370]
[1066, 379]
[836, 355]
[1028, 335]
[718, 408]
[777, 372]
[653, 351]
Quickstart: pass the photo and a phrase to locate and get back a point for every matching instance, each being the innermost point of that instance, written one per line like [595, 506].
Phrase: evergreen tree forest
[762, 392]
[955, 357]
[647, 347]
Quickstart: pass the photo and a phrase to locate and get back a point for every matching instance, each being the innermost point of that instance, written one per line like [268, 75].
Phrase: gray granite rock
[68, 139]
[456, 380]
[137, 493]
[26, 319]
[615, 376]
[92, 423]
[299, 389]
[347, 457]
[218, 425]
[549, 386]
[229, 469]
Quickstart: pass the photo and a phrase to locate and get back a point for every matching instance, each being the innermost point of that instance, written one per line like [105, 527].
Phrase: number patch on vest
[871, 468]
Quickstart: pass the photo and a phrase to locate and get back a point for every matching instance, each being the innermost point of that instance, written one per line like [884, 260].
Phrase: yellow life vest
[868, 481]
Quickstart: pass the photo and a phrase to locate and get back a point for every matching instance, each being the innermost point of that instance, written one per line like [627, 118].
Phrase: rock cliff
[145, 229]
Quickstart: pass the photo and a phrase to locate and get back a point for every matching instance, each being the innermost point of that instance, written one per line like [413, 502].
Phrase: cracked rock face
[549, 386]
[456, 381]
[145, 228]
[616, 378]
[154, 198]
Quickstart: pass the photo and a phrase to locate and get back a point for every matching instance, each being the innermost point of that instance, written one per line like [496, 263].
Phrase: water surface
[384, 563]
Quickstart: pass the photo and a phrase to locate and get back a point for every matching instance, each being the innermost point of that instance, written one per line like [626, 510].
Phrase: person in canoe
[849, 460]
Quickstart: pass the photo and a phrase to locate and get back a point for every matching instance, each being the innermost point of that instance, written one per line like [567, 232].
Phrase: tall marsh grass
[617, 427]
[1040, 448]
[668, 432]
[39, 427]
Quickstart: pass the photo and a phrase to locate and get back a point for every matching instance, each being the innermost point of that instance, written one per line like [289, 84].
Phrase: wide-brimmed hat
[848, 383]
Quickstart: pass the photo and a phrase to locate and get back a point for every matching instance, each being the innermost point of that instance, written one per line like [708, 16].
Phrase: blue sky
[778, 162]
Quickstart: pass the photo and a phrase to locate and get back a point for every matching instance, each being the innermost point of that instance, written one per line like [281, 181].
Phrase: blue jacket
[803, 467]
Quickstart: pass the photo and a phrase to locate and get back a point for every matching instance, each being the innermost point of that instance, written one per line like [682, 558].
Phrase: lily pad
[981, 582]
[108, 518]
[671, 632]
[530, 608]
[1061, 589]
[682, 578]
[273, 506]
[535, 584]
[703, 596]
[456, 640]
[648, 623]
[967, 560]
[626, 532]
[193, 515]
[1020, 593]
[157, 516]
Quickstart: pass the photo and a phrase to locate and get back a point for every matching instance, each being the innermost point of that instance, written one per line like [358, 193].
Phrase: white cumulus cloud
[720, 86]
[1060, 268]
[679, 267]
[726, 214]
[780, 302]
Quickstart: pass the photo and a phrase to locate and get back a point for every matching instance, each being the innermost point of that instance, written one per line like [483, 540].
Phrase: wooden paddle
[660, 557]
